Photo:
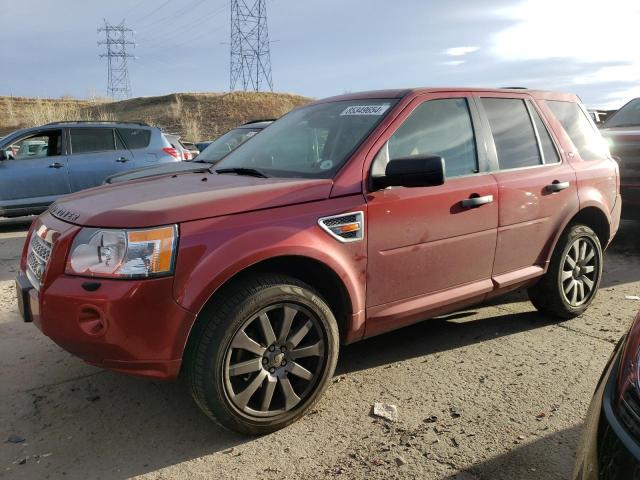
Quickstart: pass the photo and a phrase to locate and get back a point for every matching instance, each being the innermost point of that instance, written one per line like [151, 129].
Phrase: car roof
[401, 93]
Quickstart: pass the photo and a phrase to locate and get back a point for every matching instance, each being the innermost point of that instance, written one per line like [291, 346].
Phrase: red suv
[346, 218]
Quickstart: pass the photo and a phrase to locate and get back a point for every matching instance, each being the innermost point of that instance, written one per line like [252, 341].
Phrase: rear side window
[135, 137]
[87, 140]
[583, 134]
[513, 132]
[548, 149]
[438, 127]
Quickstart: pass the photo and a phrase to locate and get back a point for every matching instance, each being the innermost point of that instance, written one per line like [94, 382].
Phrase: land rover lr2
[347, 218]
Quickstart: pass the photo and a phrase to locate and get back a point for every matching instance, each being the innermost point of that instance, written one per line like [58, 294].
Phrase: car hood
[183, 197]
[163, 169]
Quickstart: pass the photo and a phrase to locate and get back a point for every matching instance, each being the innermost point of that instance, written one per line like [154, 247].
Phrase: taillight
[171, 151]
[627, 401]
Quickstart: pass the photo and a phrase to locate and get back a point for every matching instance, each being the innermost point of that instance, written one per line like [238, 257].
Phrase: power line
[250, 65]
[116, 40]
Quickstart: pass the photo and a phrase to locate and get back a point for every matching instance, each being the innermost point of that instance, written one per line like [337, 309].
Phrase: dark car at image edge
[610, 445]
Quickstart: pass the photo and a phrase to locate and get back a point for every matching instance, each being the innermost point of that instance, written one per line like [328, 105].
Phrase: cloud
[453, 63]
[460, 51]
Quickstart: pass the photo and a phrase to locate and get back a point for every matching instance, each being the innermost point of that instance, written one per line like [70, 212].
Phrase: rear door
[37, 172]
[137, 141]
[537, 189]
[95, 154]
[426, 250]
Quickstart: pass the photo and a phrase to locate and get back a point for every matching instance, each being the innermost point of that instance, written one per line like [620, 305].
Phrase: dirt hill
[196, 116]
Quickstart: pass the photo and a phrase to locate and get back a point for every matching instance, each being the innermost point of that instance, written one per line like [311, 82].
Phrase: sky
[48, 48]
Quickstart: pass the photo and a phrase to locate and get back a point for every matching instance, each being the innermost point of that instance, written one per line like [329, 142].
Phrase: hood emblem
[63, 213]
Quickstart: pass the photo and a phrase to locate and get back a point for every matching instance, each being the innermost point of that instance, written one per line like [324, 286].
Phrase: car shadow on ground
[528, 462]
[435, 335]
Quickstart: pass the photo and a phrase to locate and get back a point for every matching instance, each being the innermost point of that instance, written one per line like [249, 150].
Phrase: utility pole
[250, 56]
[116, 40]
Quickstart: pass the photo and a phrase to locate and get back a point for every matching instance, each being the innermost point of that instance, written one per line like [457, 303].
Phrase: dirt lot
[485, 373]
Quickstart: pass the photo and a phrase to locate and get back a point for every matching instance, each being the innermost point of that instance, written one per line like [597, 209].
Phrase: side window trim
[532, 107]
[535, 133]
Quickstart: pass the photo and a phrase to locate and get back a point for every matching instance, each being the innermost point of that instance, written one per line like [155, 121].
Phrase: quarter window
[583, 134]
[86, 140]
[135, 137]
[513, 132]
[436, 127]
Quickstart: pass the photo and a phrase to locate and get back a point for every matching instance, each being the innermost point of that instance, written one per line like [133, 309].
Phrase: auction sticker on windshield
[365, 109]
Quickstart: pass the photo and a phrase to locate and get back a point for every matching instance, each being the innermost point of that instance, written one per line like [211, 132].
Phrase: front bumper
[607, 451]
[131, 326]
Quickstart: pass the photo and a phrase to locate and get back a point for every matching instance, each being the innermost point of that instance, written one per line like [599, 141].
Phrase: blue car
[38, 165]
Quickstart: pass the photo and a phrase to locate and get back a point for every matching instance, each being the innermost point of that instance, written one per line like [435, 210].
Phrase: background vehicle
[600, 116]
[610, 447]
[174, 140]
[622, 132]
[346, 218]
[202, 145]
[192, 149]
[209, 156]
[40, 164]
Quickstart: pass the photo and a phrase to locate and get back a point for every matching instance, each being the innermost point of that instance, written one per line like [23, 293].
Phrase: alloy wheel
[274, 360]
[580, 270]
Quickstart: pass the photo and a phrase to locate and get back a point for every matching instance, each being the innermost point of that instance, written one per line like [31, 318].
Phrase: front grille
[38, 255]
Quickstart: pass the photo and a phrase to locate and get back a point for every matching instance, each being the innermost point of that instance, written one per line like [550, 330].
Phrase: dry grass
[195, 116]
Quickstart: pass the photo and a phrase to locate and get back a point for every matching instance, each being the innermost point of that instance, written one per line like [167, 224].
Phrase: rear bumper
[133, 327]
[607, 451]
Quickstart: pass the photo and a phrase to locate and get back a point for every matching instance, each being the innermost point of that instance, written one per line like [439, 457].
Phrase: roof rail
[515, 88]
[143, 124]
[260, 120]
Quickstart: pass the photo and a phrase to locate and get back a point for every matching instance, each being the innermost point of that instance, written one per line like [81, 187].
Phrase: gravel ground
[493, 392]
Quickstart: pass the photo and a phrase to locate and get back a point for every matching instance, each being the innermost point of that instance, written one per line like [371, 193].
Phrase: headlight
[98, 252]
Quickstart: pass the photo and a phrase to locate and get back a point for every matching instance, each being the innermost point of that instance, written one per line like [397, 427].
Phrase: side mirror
[416, 171]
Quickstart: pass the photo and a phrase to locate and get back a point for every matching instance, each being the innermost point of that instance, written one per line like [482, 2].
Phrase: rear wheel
[263, 356]
[574, 274]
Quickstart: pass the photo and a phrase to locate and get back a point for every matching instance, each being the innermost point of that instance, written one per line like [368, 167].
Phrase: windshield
[226, 143]
[312, 141]
[627, 116]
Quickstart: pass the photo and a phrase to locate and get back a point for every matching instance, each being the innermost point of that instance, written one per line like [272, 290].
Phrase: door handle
[122, 160]
[556, 186]
[475, 201]
[56, 165]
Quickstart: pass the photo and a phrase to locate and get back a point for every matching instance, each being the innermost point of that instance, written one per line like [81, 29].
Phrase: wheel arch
[316, 273]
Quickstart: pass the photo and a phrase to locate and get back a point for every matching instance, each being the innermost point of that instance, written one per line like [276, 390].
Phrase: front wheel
[574, 274]
[262, 357]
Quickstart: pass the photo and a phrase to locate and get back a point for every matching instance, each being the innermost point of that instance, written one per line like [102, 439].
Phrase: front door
[35, 171]
[96, 153]
[426, 250]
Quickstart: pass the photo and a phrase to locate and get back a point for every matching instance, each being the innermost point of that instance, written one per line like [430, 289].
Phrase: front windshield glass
[312, 141]
[226, 143]
[627, 116]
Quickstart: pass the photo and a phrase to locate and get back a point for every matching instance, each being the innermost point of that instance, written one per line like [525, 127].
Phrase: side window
[548, 149]
[87, 140]
[513, 133]
[437, 127]
[37, 145]
[135, 137]
[581, 131]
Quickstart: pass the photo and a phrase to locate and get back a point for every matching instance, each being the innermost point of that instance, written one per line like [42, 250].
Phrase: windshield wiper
[251, 172]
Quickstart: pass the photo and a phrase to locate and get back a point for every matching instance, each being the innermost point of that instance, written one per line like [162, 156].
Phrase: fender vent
[348, 227]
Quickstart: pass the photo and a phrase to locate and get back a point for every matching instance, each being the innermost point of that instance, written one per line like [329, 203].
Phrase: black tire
[550, 294]
[217, 348]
